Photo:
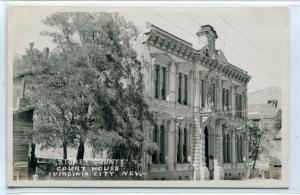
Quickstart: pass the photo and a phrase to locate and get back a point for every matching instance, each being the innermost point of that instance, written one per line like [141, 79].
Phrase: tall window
[239, 105]
[159, 137]
[163, 84]
[240, 149]
[162, 145]
[156, 81]
[213, 95]
[179, 146]
[202, 93]
[225, 99]
[182, 88]
[185, 89]
[179, 87]
[160, 82]
[155, 140]
[226, 148]
[185, 146]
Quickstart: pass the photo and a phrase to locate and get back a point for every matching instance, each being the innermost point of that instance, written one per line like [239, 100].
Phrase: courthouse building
[200, 105]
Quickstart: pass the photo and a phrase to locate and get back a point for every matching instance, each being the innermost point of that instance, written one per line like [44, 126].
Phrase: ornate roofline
[171, 44]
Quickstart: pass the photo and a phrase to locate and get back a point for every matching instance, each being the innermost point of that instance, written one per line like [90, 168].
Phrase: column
[196, 89]
[167, 87]
[175, 141]
[217, 91]
[166, 140]
[229, 100]
[158, 143]
[234, 147]
[200, 89]
[205, 92]
[172, 83]
[244, 153]
[176, 84]
[152, 84]
[191, 94]
[160, 77]
[170, 143]
[181, 144]
[245, 105]
[246, 149]
[218, 143]
[190, 143]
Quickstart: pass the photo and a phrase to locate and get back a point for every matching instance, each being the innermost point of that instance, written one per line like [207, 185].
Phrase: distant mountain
[263, 95]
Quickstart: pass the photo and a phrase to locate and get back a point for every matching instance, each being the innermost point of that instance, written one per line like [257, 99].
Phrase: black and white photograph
[147, 96]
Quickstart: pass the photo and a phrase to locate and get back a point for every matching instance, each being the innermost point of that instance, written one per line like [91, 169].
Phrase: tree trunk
[80, 151]
[65, 154]
[256, 155]
[32, 165]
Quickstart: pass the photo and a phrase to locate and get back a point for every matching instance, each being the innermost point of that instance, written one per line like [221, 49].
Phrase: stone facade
[200, 102]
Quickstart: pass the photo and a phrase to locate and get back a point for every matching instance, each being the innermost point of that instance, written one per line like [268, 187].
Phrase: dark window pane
[179, 88]
[156, 81]
[163, 88]
[185, 89]
[162, 145]
[202, 93]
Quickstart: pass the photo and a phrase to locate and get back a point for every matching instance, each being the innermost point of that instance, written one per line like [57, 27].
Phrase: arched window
[240, 149]
[179, 146]
[225, 147]
[206, 146]
[185, 146]
[155, 140]
[162, 145]
[228, 148]
[213, 95]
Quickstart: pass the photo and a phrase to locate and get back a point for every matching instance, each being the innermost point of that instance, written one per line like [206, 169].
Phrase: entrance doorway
[209, 158]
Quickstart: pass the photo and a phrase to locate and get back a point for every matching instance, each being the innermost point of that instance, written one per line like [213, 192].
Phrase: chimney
[209, 35]
[22, 102]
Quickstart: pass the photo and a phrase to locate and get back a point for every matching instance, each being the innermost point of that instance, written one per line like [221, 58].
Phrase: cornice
[171, 44]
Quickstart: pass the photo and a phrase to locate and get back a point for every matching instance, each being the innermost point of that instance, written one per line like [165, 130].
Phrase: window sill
[158, 167]
[183, 166]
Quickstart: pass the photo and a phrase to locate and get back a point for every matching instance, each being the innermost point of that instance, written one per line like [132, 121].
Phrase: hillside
[263, 95]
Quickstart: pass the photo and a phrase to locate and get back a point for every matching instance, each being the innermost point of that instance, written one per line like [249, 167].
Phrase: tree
[255, 136]
[48, 89]
[89, 88]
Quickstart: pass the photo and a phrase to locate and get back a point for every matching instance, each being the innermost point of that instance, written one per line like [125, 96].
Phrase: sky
[254, 39]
